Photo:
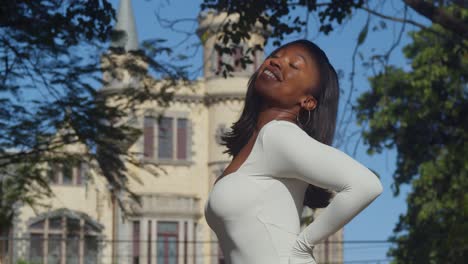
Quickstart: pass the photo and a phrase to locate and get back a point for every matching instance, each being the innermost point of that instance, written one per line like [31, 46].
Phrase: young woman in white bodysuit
[283, 160]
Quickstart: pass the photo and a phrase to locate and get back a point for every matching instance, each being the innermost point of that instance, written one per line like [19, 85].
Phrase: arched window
[64, 237]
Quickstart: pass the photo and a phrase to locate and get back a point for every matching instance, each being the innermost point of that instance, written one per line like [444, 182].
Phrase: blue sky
[377, 221]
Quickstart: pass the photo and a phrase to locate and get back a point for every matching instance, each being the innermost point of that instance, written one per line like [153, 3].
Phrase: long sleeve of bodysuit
[291, 152]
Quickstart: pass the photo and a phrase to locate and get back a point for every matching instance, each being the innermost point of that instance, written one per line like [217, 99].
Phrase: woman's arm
[293, 153]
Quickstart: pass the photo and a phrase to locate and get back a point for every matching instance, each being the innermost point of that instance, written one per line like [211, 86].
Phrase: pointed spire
[126, 25]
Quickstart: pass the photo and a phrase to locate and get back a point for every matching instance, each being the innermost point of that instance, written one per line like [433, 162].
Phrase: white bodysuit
[255, 211]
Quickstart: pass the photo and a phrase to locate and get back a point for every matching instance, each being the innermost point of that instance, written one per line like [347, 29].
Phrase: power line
[3, 238]
[177, 256]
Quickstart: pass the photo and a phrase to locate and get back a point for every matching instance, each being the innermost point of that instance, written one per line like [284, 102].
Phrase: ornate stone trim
[206, 99]
[167, 204]
[65, 212]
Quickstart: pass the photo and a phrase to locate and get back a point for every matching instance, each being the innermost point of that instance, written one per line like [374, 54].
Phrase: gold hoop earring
[297, 119]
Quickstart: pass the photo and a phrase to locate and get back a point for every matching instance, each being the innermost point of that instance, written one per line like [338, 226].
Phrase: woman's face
[287, 77]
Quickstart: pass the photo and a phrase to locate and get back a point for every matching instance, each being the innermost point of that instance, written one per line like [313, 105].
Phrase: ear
[309, 102]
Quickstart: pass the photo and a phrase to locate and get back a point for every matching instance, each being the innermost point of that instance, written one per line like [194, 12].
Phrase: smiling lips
[272, 73]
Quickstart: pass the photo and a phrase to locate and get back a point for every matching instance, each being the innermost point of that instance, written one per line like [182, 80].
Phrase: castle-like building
[83, 223]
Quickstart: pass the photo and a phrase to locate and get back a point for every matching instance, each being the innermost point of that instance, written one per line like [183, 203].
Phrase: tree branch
[396, 19]
[439, 16]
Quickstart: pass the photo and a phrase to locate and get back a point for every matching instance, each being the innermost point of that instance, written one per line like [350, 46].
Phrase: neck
[267, 114]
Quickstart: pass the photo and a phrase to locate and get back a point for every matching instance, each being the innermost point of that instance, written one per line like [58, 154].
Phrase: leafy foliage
[422, 113]
[276, 18]
[51, 75]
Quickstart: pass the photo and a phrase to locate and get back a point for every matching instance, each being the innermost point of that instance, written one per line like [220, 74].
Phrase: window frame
[174, 116]
[160, 235]
[136, 239]
[79, 174]
[45, 231]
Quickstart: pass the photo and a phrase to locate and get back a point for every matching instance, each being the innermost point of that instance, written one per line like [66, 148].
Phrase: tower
[224, 97]
[126, 25]
[123, 51]
[122, 68]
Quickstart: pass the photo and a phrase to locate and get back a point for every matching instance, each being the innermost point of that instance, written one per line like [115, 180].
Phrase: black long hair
[322, 119]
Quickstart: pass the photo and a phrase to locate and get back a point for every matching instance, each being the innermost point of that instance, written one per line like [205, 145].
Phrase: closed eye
[294, 66]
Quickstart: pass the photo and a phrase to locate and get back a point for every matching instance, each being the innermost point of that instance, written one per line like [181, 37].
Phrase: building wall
[91, 199]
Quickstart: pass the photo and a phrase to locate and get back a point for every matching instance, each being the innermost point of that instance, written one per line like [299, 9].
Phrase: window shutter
[79, 170]
[148, 137]
[182, 138]
[189, 139]
[214, 61]
[53, 173]
[140, 146]
[67, 173]
[82, 171]
[136, 241]
[237, 57]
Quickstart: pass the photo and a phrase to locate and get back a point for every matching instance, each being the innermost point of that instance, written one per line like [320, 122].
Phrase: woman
[283, 160]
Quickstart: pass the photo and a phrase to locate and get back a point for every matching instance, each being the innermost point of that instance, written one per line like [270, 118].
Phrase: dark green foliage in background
[422, 113]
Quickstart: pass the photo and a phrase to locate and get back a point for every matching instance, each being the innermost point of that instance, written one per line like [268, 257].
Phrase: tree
[422, 113]
[276, 16]
[50, 79]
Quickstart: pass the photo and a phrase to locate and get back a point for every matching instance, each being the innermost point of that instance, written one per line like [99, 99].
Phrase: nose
[275, 62]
